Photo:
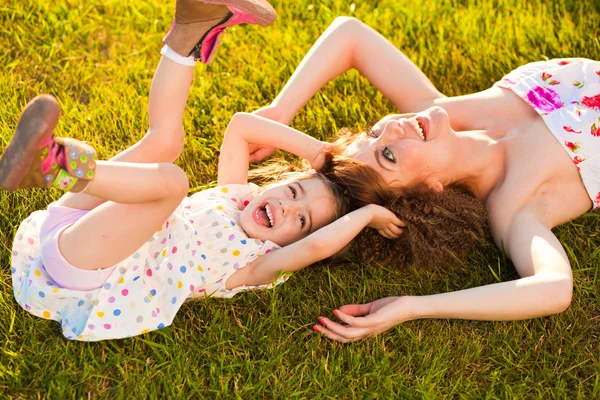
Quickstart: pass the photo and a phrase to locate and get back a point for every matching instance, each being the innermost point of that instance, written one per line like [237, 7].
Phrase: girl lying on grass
[119, 254]
[528, 149]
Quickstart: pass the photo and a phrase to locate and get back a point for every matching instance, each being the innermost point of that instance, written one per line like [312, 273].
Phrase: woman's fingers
[329, 334]
[347, 332]
[355, 310]
[389, 234]
[358, 322]
[383, 233]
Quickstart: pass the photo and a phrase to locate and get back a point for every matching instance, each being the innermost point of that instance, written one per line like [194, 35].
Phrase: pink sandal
[199, 24]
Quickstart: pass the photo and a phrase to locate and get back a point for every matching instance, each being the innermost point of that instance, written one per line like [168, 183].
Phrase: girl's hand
[259, 152]
[363, 320]
[386, 222]
[319, 161]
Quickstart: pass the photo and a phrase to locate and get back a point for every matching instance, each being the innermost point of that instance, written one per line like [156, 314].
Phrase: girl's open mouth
[263, 215]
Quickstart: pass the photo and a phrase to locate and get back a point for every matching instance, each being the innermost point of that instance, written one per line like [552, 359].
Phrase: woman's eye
[387, 154]
[293, 192]
[302, 221]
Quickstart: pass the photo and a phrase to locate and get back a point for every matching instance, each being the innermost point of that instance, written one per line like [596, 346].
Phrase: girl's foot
[35, 158]
[199, 24]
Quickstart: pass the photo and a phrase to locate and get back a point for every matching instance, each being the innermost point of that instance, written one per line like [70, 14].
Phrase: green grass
[98, 58]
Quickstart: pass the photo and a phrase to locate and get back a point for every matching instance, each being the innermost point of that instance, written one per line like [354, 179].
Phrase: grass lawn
[97, 57]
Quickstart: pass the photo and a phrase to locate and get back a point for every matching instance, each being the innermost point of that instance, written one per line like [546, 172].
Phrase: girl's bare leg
[164, 140]
[138, 199]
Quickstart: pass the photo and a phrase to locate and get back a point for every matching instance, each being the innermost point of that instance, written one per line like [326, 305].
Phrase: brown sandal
[199, 24]
[35, 158]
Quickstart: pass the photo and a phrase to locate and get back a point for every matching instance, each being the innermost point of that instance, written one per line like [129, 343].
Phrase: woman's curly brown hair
[439, 228]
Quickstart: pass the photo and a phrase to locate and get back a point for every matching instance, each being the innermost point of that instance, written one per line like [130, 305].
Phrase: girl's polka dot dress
[191, 256]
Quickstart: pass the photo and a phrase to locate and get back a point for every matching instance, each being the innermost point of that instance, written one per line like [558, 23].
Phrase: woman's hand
[363, 320]
[386, 222]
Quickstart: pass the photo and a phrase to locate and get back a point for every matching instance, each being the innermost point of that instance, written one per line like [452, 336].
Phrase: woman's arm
[348, 43]
[245, 129]
[546, 288]
[317, 246]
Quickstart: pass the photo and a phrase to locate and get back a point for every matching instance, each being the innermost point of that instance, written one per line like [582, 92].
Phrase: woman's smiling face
[409, 149]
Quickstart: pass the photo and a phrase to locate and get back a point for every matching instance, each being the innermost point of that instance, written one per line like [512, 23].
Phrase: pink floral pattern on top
[544, 99]
[566, 94]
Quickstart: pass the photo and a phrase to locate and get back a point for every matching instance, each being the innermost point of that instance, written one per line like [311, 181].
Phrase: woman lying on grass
[528, 148]
[120, 255]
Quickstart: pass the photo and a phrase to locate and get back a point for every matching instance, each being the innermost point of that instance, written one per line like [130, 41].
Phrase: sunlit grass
[98, 58]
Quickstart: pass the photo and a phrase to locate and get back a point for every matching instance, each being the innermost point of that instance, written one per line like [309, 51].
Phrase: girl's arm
[317, 246]
[348, 43]
[545, 289]
[245, 129]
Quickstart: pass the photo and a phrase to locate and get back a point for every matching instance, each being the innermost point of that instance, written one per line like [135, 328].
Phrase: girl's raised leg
[138, 197]
[164, 140]
[197, 29]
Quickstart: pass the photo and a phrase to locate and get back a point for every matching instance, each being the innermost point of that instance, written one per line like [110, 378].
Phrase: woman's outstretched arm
[546, 288]
[348, 43]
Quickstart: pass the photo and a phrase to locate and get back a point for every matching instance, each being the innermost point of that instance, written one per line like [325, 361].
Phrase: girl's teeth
[268, 209]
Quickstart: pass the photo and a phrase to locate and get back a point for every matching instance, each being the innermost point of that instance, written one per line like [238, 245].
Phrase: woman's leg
[138, 200]
[164, 140]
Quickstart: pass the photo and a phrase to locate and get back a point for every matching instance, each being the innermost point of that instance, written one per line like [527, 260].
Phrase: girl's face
[288, 212]
[409, 149]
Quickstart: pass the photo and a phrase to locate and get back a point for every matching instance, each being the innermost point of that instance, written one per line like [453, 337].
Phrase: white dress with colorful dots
[191, 256]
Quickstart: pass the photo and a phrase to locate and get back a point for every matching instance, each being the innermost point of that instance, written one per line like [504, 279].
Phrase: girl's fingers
[391, 234]
[383, 233]
[396, 230]
[397, 221]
